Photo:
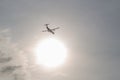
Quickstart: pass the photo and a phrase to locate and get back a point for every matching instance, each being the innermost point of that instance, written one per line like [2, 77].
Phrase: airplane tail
[46, 25]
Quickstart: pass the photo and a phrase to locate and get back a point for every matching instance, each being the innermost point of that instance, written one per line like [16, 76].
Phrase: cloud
[12, 60]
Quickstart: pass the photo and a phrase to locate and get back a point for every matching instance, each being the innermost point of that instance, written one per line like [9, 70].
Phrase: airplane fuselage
[49, 30]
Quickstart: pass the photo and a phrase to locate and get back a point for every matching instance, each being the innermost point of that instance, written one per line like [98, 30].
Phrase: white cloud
[13, 62]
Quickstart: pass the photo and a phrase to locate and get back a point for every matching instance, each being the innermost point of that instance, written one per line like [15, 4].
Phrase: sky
[89, 29]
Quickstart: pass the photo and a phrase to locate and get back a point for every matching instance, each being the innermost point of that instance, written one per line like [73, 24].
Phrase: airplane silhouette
[50, 30]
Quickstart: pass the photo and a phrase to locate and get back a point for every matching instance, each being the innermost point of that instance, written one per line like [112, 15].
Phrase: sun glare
[51, 53]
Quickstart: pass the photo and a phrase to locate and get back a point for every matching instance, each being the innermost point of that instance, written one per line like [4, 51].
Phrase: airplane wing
[45, 31]
[55, 28]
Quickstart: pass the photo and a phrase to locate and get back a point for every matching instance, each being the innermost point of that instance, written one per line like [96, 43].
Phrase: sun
[51, 53]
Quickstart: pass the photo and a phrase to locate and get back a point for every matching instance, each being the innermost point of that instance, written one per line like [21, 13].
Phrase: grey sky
[90, 29]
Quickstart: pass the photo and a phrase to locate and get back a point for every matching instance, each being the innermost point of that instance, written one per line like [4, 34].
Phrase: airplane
[50, 30]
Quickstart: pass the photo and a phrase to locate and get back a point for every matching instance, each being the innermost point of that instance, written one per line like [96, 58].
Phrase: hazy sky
[89, 28]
